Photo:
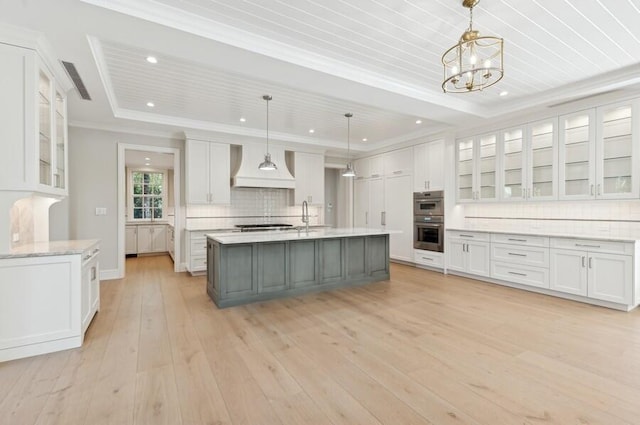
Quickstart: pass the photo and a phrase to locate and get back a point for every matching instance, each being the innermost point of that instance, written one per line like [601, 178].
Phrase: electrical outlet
[16, 237]
[101, 211]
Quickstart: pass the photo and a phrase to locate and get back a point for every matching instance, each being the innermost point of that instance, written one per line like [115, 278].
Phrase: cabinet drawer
[198, 247]
[593, 245]
[519, 254]
[514, 239]
[428, 258]
[476, 236]
[198, 263]
[526, 275]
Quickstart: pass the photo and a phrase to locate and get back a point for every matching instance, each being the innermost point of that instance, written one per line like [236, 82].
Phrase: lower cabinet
[602, 276]
[469, 252]
[152, 238]
[131, 240]
[433, 259]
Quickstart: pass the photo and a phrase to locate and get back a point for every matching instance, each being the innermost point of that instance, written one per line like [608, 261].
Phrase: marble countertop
[44, 249]
[597, 236]
[317, 233]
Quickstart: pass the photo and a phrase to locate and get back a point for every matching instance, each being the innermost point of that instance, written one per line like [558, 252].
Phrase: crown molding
[119, 128]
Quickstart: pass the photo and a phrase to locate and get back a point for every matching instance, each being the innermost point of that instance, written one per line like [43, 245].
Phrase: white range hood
[249, 175]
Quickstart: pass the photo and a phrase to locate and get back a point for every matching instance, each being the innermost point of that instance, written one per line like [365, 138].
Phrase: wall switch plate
[15, 237]
[101, 211]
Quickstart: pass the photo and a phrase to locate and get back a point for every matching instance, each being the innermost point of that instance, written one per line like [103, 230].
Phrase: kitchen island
[257, 266]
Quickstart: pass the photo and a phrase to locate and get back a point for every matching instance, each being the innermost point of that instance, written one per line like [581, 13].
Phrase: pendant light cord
[267, 125]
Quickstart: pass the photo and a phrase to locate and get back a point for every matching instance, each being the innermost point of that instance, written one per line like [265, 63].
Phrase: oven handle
[428, 225]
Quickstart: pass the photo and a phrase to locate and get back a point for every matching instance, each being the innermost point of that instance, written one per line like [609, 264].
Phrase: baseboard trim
[109, 274]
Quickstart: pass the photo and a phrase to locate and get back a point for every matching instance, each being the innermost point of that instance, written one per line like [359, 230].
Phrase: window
[147, 195]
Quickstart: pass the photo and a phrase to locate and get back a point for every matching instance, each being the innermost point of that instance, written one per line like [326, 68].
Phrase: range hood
[249, 175]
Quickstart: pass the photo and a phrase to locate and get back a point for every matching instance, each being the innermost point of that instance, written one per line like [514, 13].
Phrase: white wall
[93, 179]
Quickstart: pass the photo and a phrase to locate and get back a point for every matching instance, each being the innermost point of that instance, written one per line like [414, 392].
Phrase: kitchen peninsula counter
[257, 266]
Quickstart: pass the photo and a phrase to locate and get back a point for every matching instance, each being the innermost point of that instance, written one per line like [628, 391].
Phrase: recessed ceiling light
[152, 59]
[364, 140]
[146, 163]
[151, 104]
[504, 93]
[311, 130]
[147, 159]
[243, 119]
[418, 121]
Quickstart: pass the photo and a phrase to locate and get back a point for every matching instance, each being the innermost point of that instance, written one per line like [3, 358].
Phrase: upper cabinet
[477, 178]
[428, 166]
[208, 172]
[34, 130]
[529, 161]
[398, 162]
[309, 174]
[369, 167]
[599, 153]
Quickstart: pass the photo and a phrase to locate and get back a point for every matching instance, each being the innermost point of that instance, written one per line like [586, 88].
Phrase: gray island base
[244, 268]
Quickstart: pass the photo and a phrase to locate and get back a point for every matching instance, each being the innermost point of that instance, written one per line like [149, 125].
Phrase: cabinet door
[130, 239]
[219, 167]
[60, 171]
[361, 203]
[398, 162]
[617, 174]
[568, 271]
[95, 286]
[478, 258]
[457, 255]
[85, 295]
[376, 166]
[420, 168]
[145, 239]
[435, 167]
[376, 203]
[542, 182]
[197, 172]
[577, 156]
[309, 178]
[610, 277]
[159, 237]
[513, 165]
[399, 216]
[362, 168]
[487, 174]
[465, 170]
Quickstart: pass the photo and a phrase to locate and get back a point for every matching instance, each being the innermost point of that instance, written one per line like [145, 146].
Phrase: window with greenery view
[148, 195]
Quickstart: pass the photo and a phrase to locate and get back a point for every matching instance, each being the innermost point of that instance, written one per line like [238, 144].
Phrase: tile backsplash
[619, 218]
[251, 206]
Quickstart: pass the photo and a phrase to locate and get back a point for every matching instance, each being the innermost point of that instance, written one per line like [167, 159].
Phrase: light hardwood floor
[421, 349]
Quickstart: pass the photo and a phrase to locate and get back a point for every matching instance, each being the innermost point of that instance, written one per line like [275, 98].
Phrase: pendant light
[350, 171]
[267, 165]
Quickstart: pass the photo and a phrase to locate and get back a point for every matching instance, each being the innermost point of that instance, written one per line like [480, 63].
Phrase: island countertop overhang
[272, 236]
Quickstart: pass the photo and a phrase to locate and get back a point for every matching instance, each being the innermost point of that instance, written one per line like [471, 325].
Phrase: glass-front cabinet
[477, 168]
[514, 165]
[599, 156]
[52, 134]
[542, 161]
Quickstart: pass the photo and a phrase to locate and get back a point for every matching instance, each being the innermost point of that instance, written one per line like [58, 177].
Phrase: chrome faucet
[305, 214]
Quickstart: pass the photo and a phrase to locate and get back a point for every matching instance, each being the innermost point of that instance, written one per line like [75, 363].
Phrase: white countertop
[289, 235]
[43, 249]
[597, 236]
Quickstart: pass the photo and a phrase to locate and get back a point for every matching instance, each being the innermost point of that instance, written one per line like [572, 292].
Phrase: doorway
[149, 195]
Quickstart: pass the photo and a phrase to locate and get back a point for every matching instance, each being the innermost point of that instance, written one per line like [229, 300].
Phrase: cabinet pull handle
[366, 218]
[375, 175]
[584, 245]
[427, 258]
[397, 172]
[583, 261]
[599, 189]
[517, 255]
[466, 236]
[383, 218]
[518, 274]
[592, 190]
[428, 184]
[590, 258]
[516, 240]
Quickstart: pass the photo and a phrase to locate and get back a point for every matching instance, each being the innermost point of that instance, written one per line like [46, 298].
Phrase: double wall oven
[428, 220]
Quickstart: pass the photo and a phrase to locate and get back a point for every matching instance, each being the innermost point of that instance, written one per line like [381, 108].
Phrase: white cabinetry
[398, 215]
[130, 240]
[469, 252]
[47, 302]
[171, 241]
[601, 270]
[529, 161]
[309, 174]
[34, 126]
[477, 178]
[428, 166]
[370, 167]
[152, 238]
[599, 153]
[208, 172]
[520, 259]
[398, 162]
[196, 249]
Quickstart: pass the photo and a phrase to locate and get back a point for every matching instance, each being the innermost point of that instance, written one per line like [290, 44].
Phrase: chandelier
[475, 63]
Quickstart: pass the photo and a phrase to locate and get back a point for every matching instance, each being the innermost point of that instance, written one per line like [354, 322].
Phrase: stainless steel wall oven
[428, 221]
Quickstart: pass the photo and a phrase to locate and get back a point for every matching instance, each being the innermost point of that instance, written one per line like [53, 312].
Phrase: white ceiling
[148, 160]
[379, 59]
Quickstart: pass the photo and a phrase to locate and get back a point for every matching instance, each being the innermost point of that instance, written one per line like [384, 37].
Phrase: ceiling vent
[77, 81]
